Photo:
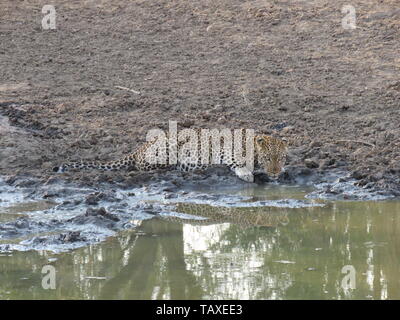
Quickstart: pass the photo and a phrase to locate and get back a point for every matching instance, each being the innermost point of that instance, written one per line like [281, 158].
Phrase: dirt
[279, 67]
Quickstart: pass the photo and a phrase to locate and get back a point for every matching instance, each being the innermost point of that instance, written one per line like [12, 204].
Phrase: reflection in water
[241, 216]
[301, 259]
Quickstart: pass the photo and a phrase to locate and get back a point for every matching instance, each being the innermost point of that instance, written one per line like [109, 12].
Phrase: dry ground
[282, 67]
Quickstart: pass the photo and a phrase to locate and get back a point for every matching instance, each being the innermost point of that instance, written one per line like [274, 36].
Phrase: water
[237, 253]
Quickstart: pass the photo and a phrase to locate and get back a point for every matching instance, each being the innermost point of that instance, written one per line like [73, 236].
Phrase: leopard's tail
[127, 163]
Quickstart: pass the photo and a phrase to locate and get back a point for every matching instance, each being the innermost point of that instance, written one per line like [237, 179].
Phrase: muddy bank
[284, 69]
[56, 215]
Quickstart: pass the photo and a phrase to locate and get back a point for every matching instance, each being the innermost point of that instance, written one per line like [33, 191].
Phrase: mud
[59, 216]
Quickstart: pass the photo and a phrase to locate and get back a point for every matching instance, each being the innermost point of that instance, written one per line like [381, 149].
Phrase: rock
[315, 144]
[362, 182]
[378, 176]
[330, 189]
[72, 236]
[187, 123]
[92, 199]
[341, 163]
[100, 212]
[50, 194]
[327, 163]
[311, 163]
[22, 223]
[287, 129]
[358, 175]
[96, 197]
[169, 196]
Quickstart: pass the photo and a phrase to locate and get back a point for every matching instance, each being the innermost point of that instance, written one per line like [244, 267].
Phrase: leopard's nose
[275, 173]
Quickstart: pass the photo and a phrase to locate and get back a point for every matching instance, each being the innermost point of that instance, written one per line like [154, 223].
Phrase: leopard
[189, 154]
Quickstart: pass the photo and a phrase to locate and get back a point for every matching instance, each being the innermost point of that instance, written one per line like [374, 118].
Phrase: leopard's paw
[244, 174]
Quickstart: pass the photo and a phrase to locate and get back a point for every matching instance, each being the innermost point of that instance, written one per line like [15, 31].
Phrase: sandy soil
[282, 67]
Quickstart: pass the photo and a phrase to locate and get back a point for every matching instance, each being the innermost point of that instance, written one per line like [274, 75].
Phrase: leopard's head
[271, 154]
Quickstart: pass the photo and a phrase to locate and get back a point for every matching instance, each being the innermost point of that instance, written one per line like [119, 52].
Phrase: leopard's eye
[260, 140]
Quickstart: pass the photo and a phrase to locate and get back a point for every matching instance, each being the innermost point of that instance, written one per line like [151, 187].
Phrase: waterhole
[272, 243]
